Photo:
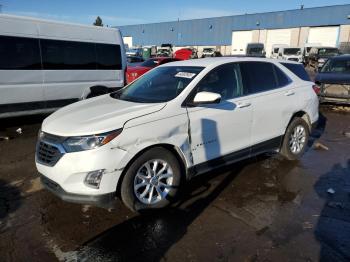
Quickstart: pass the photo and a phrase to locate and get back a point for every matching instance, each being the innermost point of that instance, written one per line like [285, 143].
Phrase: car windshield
[162, 84]
[150, 63]
[328, 51]
[291, 51]
[337, 66]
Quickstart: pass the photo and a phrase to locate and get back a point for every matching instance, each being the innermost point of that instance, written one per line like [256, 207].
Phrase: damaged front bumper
[105, 200]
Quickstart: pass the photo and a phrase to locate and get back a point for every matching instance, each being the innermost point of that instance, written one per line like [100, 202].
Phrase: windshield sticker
[185, 75]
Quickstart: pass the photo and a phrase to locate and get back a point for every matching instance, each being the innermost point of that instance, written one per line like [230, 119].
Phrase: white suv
[177, 121]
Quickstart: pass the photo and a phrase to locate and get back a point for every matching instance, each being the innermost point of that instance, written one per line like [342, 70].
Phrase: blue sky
[114, 12]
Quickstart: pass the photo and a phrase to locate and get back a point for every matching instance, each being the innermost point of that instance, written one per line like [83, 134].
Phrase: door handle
[243, 105]
[289, 93]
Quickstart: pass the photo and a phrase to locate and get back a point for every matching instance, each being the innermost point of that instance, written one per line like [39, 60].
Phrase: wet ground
[262, 209]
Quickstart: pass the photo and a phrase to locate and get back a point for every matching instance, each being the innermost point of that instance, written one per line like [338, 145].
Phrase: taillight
[316, 88]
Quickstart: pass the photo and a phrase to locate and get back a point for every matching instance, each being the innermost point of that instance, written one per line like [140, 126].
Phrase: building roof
[218, 30]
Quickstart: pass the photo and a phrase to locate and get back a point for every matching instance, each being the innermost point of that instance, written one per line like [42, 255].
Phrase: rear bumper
[104, 200]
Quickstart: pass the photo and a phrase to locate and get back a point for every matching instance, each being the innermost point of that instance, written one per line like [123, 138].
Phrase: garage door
[240, 39]
[128, 41]
[277, 37]
[326, 36]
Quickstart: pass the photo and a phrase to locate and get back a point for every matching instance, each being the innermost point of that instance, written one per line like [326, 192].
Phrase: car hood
[95, 116]
[333, 78]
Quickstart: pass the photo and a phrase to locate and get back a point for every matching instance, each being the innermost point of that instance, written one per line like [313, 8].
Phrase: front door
[219, 131]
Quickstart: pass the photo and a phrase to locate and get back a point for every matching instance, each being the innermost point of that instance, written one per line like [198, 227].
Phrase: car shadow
[148, 236]
[333, 227]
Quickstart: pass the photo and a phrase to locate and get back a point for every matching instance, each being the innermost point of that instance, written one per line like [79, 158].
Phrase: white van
[290, 54]
[45, 65]
[275, 50]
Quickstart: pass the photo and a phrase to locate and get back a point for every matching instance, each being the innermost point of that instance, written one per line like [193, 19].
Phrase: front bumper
[104, 200]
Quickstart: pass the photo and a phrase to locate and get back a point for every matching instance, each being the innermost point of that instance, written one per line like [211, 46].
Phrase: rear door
[222, 129]
[272, 95]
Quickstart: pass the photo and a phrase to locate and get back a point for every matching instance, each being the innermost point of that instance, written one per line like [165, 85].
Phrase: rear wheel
[295, 139]
[152, 180]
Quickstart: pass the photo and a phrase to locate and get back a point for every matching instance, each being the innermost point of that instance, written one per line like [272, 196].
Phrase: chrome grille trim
[49, 150]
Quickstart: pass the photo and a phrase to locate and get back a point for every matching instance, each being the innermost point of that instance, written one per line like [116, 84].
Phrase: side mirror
[206, 98]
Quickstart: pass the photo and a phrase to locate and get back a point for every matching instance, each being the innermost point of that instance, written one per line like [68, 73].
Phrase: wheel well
[180, 158]
[304, 116]
[97, 90]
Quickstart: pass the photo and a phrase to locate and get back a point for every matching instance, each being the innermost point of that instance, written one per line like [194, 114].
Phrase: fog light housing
[93, 178]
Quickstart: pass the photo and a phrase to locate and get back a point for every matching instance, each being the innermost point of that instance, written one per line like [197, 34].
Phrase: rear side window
[67, 55]
[108, 56]
[72, 55]
[257, 77]
[298, 70]
[19, 53]
[282, 78]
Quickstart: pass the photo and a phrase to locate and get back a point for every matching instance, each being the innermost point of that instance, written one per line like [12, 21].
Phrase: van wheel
[152, 181]
[295, 139]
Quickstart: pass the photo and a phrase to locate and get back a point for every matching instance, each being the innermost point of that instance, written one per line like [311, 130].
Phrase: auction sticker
[185, 75]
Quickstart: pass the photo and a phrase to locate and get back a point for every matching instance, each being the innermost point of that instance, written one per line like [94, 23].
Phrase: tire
[138, 175]
[294, 150]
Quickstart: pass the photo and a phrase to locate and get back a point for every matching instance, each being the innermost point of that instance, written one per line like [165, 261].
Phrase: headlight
[321, 60]
[82, 143]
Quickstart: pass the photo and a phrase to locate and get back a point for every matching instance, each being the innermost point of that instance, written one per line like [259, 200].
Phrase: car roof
[215, 61]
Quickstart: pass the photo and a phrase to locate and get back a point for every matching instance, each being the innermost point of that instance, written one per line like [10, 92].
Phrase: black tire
[128, 194]
[286, 150]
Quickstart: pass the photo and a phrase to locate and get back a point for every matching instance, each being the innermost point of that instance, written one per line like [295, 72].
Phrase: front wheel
[151, 181]
[295, 139]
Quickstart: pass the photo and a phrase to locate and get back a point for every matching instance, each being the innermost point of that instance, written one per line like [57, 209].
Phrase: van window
[72, 55]
[108, 56]
[298, 70]
[224, 80]
[19, 53]
[257, 77]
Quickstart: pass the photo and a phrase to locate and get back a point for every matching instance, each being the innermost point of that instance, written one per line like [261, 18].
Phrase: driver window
[224, 80]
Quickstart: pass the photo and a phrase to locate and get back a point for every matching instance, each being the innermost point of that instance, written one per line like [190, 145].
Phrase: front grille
[47, 154]
[293, 59]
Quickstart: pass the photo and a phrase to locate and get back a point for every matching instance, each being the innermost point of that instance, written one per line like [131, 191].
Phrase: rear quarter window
[298, 70]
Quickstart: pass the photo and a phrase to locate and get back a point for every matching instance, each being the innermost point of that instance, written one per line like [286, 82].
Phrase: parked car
[291, 54]
[186, 53]
[275, 50]
[165, 50]
[255, 50]
[208, 52]
[211, 52]
[134, 60]
[319, 55]
[132, 73]
[134, 52]
[334, 80]
[306, 51]
[178, 121]
[45, 65]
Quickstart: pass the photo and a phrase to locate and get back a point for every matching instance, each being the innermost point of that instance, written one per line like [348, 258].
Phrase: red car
[133, 73]
[186, 53]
